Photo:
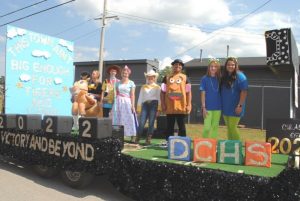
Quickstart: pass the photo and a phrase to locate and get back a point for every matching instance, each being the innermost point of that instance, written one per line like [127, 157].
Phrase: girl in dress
[123, 110]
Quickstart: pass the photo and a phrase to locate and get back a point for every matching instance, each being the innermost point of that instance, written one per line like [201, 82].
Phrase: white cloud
[88, 53]
[66, 44]
[168, 60]
[13, 32]
[246, 40]
[165, 62]
[58, 80]
[41, 53]
[196, 17]
[268, 20]
[25, 77]
[186, 58]
[198, 12]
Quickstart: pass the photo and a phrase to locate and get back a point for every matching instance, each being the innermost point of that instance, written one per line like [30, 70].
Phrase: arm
[163, 95]
[188, 89]
[132, 97]
[159, 100]
[103, 88]
[239, 107]
[189, 101]
[203, 108]
[140, 101]
[162, 100]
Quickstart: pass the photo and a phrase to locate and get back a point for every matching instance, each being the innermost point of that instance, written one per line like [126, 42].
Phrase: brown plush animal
[84, 104]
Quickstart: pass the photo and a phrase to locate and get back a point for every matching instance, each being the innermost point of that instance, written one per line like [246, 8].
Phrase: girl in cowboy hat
[148, 105]
[108, 89]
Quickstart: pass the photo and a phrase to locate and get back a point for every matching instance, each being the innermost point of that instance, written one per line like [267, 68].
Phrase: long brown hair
[228, 79]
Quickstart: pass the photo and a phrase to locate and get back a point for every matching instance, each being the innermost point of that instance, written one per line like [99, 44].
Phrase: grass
[195, 131]
[158, 153]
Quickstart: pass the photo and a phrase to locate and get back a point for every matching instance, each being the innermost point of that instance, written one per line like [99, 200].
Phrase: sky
[156, 29]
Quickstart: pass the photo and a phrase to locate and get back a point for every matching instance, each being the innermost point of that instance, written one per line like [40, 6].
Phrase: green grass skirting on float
[158, 153]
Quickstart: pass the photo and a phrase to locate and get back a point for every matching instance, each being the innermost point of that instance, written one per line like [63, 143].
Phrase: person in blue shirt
[211, 99]
[234, 86]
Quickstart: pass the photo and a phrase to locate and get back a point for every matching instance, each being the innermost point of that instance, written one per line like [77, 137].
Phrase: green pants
[231, 122]
[211, 124]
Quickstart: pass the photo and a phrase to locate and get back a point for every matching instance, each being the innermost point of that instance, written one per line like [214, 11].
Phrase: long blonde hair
[217, 62]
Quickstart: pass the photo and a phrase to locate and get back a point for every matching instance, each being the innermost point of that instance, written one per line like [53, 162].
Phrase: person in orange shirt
[176, 97]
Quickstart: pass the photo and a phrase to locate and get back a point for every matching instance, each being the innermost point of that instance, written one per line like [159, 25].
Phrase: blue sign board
[39, 72]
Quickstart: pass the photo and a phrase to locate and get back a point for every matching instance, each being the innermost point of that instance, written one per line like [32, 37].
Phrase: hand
[188, 108]
[163, 107]
[132, 109]
[204, 112]
[238, 110]
[157, 113]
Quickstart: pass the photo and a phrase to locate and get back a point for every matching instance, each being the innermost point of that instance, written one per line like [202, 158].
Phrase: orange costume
[175, 93]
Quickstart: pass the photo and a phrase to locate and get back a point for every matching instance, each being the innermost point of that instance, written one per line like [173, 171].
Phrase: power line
[9, 13]
[230, 25]
[36, 13]
[177, 26]
[85, 35]
[252, 35]
[73, 27]
[236, 22]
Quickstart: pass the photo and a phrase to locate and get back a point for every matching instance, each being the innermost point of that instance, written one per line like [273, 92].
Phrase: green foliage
[162, 73]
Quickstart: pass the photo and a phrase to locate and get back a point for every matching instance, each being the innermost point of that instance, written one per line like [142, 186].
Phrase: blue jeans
[149, 109]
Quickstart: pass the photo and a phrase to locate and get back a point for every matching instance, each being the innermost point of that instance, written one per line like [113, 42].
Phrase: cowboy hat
[113, 67]
[151, 73]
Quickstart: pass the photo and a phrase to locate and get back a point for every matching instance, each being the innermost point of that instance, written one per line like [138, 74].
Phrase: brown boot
[148, 140]
[133, 138]
[137, 140]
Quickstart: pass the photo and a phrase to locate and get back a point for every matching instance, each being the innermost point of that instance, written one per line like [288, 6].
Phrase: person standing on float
[211, 99]
[234, 87]
[95, 90]
[148, 105]
[176, 98]
[108, 89]
[124, 108]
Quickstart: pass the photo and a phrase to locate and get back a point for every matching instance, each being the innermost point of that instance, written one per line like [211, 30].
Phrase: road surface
[20, 183]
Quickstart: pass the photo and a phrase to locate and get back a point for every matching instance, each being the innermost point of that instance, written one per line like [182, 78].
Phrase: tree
[162, 73]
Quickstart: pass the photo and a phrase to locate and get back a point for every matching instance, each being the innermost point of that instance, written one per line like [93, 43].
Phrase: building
[268, 94]
[138, 67]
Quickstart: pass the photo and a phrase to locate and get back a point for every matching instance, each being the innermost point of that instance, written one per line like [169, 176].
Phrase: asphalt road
[19, 183]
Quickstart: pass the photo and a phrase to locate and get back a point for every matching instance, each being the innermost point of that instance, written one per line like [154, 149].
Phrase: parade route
[19, 183]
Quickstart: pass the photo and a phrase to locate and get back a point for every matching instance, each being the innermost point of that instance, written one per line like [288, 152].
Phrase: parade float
[37, 129]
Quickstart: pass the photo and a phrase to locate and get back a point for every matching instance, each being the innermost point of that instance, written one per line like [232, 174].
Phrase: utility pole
[101, 50]
[227, 54]
[102, 41]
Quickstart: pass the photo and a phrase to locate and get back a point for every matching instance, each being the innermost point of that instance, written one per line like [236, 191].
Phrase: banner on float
[284, 135]
[39, 72]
